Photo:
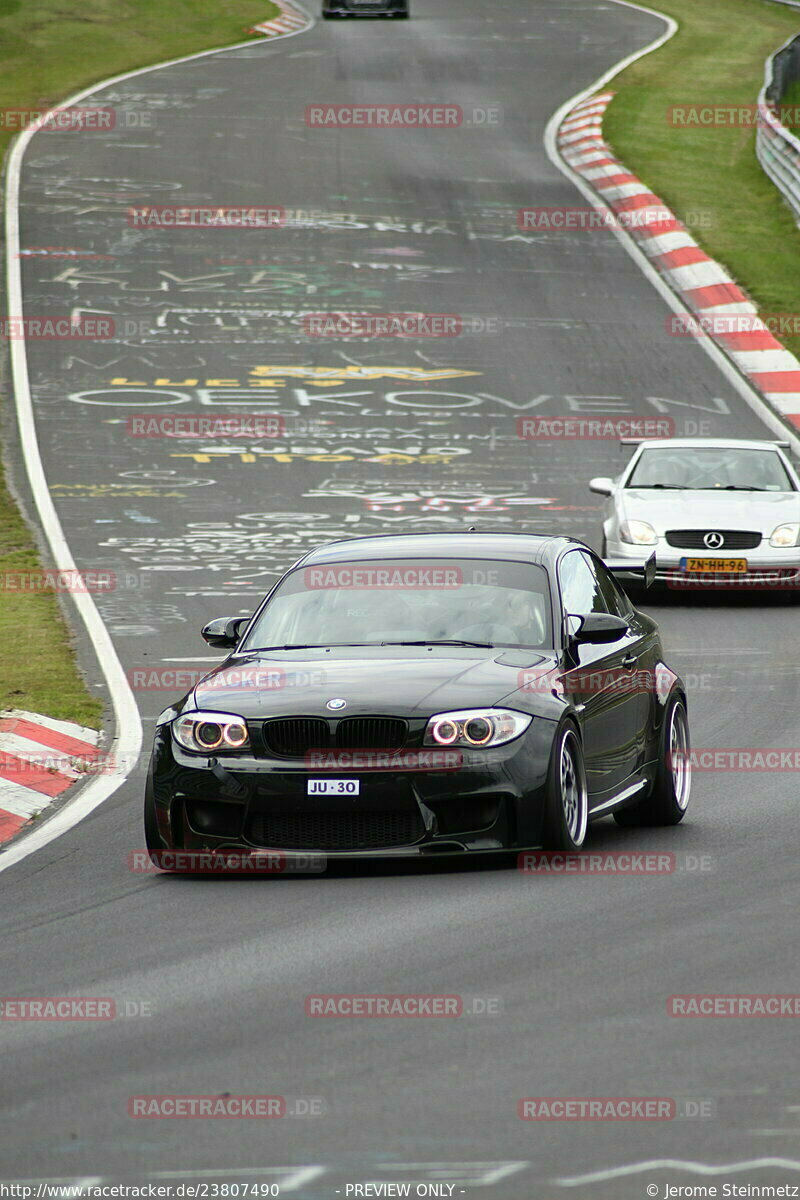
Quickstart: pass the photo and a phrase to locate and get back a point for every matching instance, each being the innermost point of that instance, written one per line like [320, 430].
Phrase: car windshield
[722, 468]
[403, 600]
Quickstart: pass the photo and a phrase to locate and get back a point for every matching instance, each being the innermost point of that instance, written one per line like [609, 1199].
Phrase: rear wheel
[567, 805]
[668, 798]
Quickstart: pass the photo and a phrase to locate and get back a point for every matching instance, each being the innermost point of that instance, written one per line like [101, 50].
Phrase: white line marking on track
[678, 1164]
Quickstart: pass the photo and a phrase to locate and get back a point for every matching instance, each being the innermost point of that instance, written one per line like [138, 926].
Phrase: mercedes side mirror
[601, 485]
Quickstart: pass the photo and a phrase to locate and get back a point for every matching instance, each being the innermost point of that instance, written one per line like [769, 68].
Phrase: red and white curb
[39, 759]
[705, 287]
[289, 21]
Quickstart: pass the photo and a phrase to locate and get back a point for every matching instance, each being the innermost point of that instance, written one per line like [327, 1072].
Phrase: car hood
[392, 681]
[665, 510]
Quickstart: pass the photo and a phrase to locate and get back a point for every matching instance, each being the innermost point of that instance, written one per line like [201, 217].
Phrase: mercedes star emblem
[714, 541]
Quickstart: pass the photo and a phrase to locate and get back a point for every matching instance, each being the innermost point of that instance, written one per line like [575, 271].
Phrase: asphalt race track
[381, 435]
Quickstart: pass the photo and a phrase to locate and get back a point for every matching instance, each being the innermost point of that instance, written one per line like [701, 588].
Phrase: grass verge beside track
[710, 176]
[50, 49]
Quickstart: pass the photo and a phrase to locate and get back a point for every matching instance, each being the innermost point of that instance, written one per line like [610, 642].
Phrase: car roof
[713, 443]
[518, 547]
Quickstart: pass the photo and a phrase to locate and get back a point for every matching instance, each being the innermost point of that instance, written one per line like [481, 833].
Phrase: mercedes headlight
[205, 732]
[476, 727]
[637, 533]
[786, 535]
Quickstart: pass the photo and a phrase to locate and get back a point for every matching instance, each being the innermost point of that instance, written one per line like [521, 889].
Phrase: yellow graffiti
[76, 490]
[390, 460]
[269, 376]
[334, 374]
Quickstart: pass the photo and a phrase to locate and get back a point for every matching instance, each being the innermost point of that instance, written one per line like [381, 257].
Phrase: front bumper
[492, 801]
[767, 568]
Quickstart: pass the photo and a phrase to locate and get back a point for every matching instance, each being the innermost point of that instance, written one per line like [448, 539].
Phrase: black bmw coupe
[424, 694]
[364, 8]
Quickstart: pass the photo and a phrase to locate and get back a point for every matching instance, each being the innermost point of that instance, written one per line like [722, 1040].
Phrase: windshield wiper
[730, 487]
[305, 646]
[443, 642]
[673, 487]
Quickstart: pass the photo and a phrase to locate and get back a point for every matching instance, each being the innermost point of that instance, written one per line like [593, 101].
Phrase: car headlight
[476, 727]
[637, 533]
[206, 732]
[786, 535]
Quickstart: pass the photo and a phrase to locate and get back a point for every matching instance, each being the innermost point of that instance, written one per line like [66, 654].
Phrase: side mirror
[598, 628]
[601, 485]
[224, 633]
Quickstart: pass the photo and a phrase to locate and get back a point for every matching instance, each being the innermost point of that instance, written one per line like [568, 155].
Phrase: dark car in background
[364, 8]
[424, 694]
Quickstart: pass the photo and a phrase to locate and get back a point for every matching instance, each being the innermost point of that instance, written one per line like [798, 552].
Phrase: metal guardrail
[777, 149]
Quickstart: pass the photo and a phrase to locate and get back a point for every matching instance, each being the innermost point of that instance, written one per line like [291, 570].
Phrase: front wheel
[668, 798]
[567, 805]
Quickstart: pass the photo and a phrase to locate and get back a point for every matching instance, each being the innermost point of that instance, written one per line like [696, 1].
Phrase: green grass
[710, 176]
[37, 663]
[48, 50]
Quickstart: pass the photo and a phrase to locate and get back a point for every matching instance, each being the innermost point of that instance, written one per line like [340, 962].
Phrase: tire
[668, 798]
[567, 805]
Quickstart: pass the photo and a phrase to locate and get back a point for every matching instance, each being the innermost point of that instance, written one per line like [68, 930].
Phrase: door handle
[629, 660]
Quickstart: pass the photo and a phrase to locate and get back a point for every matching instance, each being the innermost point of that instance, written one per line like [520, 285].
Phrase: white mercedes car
[715, 511]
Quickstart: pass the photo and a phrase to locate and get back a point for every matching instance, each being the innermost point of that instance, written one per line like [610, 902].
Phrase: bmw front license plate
[714, 566]
[333, 787]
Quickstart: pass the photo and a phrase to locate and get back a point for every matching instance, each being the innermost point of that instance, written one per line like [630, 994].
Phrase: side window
[616, 600]
[580, 588]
